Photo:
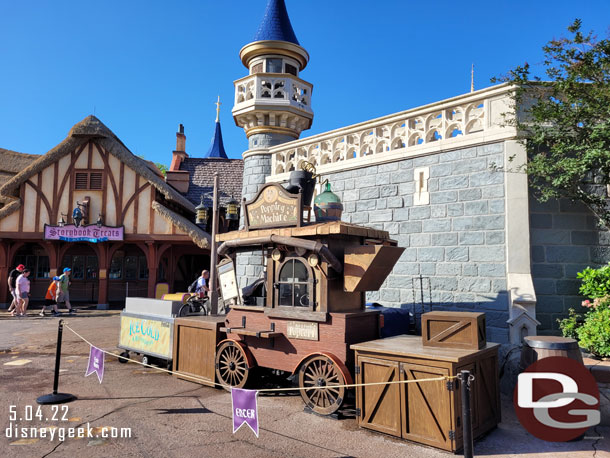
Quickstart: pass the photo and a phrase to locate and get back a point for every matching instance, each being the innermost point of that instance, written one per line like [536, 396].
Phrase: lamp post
[213, 253]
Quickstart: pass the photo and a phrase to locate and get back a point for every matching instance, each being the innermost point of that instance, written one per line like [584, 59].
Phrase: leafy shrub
[595, 282]
[594, 334]
[570, 325]
[593, 330]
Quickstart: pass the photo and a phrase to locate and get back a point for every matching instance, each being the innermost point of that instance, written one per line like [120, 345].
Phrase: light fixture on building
[313, 260]
[276, 255]
[202, 213]
[62, 221]
[99, 221]
[233, 210]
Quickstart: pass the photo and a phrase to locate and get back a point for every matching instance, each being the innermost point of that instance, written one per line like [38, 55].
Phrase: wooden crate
[428, 412]
[195, 340]
[454, 330]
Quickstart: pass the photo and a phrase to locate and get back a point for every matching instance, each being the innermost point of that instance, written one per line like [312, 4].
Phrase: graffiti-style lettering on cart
[141, 328]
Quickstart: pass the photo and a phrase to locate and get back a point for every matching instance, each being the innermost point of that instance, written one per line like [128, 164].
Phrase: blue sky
[146, 66]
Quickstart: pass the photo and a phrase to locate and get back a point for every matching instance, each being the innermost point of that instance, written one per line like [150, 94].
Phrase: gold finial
[472, 78]
[218, 108]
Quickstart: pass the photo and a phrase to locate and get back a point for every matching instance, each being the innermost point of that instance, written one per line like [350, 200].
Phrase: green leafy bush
[594, 334]
[595, 282]
[570, 324]
[593, 329]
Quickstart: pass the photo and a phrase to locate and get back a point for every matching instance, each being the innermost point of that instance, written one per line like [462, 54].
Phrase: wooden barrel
[539, 347]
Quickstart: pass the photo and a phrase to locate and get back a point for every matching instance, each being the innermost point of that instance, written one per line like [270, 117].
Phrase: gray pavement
[175, 418]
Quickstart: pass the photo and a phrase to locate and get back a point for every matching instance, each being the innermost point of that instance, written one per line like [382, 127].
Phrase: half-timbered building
[92, 205]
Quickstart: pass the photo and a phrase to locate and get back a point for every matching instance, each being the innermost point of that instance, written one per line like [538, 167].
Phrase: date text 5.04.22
[32, 413]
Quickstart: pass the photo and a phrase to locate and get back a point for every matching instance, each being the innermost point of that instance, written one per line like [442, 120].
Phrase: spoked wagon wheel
[231, 365]
[320, 371]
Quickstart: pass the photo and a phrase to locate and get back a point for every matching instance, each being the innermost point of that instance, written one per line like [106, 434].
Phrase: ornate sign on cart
[273, 206]
[302, 330]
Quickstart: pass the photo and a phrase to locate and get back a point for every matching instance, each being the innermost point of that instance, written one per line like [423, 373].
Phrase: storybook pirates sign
[91, 233]
[273, 206]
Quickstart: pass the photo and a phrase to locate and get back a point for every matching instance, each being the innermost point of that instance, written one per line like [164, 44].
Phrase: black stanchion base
[58, 398]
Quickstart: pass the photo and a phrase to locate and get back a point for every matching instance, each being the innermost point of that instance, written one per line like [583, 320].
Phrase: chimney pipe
[181, 140]
[180, 153]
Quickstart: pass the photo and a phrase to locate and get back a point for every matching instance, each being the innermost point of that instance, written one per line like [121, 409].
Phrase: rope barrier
[263, 390]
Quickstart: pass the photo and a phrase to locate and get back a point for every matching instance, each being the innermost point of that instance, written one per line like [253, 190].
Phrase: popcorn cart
[309, 306]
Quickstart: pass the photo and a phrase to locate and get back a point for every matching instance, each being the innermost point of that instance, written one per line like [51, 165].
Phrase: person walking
[201, 284]
[23, 292]
[50, 297]
[63, 293]
[12, 285]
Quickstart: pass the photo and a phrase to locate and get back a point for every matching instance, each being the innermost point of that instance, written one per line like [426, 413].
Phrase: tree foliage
[162, 168]
[564, 121]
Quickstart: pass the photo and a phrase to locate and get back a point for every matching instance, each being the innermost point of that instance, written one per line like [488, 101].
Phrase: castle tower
[272, 104]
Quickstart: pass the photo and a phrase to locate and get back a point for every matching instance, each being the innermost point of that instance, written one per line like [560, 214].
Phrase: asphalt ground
[173, 418]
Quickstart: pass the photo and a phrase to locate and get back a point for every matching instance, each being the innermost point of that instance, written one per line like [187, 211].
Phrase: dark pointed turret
[217, 149]
[276, 24]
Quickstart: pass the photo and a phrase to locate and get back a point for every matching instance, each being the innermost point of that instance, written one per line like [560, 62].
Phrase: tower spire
[218, 109]
[472, 78]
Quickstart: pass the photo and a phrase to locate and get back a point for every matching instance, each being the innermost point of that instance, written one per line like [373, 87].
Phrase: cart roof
[331, 228]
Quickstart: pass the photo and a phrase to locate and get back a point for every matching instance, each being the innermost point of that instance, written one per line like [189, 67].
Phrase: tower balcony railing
[459, 122]
[272, 89]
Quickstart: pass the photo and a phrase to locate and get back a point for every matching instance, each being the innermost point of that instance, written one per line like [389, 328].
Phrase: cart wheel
[184, 310]
[322, 371]
[145, 360]
[123, 356]
[231, 366]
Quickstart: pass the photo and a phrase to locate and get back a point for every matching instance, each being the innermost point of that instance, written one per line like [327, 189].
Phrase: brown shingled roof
[201, 173]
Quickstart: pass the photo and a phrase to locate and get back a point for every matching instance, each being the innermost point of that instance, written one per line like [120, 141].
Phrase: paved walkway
[175, 418]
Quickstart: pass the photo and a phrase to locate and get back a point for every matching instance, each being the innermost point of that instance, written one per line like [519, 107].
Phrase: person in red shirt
[49, 299]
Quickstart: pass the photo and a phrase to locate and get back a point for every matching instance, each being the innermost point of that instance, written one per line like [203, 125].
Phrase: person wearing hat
[63, 294]
[12, 285]
[49, 299]
[23, 292]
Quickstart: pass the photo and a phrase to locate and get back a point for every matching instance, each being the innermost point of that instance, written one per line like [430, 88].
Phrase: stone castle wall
[565, 239]
[456, 243]
[256, 169]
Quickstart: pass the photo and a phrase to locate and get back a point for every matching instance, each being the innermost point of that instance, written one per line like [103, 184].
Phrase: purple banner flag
[245, 409]
[96, 363]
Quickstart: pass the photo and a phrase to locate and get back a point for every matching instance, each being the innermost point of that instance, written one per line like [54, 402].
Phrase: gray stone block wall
[565, 239]
[256, 169]
[456, 243]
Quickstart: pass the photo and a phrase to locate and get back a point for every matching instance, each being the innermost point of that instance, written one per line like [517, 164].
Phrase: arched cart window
[294, 284]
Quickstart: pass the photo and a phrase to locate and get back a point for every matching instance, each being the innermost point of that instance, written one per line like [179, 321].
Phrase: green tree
[564, 121]
[162, 168]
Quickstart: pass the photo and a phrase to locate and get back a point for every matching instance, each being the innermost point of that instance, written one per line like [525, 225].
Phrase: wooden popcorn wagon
[309, 305]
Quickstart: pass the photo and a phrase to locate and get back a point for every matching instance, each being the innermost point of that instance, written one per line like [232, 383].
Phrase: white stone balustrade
[274, 90]
[465, 120]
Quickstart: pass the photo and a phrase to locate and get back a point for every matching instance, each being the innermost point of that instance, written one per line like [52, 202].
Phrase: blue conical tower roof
[276, 24]
[217, 149]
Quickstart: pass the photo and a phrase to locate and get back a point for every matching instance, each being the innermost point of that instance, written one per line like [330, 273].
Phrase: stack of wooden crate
[429, 412]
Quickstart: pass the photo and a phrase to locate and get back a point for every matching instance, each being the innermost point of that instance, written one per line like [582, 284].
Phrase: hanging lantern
[202, 213]
[233, 210]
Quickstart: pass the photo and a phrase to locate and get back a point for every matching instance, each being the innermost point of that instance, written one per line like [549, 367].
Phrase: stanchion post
[55, 397]
[465, 378]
